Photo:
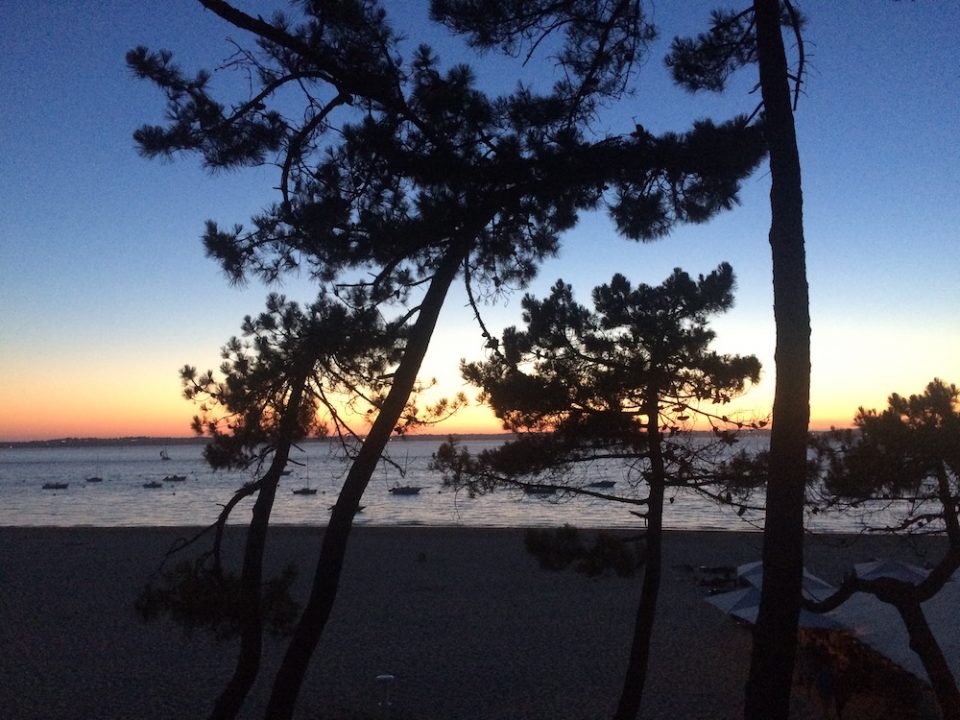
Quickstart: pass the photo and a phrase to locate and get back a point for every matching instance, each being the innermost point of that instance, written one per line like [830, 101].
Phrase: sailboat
[95, 478]
[306, 489]
[164, 455]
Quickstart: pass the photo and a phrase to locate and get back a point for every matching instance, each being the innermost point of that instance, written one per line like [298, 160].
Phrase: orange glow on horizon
[157, 415]
[68, 409]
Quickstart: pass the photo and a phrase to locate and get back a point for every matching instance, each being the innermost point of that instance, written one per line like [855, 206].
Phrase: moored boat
[55, 486]
[539, 490]
[602, 484]
[405, 489]
[153, 484]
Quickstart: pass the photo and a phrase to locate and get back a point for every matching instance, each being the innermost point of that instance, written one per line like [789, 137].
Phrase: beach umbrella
[813, 587]
[913, 574]
[745, 604]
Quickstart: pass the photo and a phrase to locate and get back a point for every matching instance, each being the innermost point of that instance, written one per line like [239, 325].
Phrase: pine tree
[909, 455]
[273, 389]
[753, 36]
[579, 385]
[396, 178]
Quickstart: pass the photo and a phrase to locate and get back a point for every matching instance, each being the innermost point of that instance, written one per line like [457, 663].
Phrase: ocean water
[121, 500]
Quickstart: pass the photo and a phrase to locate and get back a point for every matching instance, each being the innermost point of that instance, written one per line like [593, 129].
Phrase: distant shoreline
[138, 440]
[74, 442]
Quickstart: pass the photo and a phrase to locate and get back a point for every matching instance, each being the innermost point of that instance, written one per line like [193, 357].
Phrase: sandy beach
[463, 618]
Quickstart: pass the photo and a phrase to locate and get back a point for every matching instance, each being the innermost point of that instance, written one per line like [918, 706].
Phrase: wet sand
[463, 618]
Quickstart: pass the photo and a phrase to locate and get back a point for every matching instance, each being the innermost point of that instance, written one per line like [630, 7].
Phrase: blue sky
[105, 291]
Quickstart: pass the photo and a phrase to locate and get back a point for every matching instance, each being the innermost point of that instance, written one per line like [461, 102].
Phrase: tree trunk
[925, 645]
[775, 635]
[251, 577]
[636, 675]
[326, 578]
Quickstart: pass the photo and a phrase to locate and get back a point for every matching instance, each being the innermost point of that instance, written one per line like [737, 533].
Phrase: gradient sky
[105, 291]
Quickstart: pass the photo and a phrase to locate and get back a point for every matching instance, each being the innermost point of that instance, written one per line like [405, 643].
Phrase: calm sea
[122, 500]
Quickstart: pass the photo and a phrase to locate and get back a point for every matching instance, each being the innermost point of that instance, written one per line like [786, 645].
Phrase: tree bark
[251, 577]
[636, 674]
[289, 679]
[925, 645]
[775, 634]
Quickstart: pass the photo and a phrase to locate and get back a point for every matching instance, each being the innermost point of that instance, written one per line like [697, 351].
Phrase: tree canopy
[396, 177]
[392, 161]
[585, 363]
[336, 356]
[909, 451]
[587, 378]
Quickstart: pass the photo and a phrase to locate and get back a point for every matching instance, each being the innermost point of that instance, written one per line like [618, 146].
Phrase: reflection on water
[121, 499]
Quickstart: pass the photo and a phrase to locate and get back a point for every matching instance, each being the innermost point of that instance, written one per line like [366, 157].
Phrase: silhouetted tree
[395, 178]
[908, 455]
[735, 40]
[599, 50]
[290, 364]
[605, 384]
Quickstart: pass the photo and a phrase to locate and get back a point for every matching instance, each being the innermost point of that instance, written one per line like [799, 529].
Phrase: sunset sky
[105, 291]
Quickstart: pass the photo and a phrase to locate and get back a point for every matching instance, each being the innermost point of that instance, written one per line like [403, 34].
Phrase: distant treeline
[102, 442]
[169, 441]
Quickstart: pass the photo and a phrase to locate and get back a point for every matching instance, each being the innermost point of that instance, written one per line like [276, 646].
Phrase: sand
[463, 618]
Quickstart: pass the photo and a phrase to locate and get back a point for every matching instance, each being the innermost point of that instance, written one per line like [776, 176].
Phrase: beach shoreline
[462, 617]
